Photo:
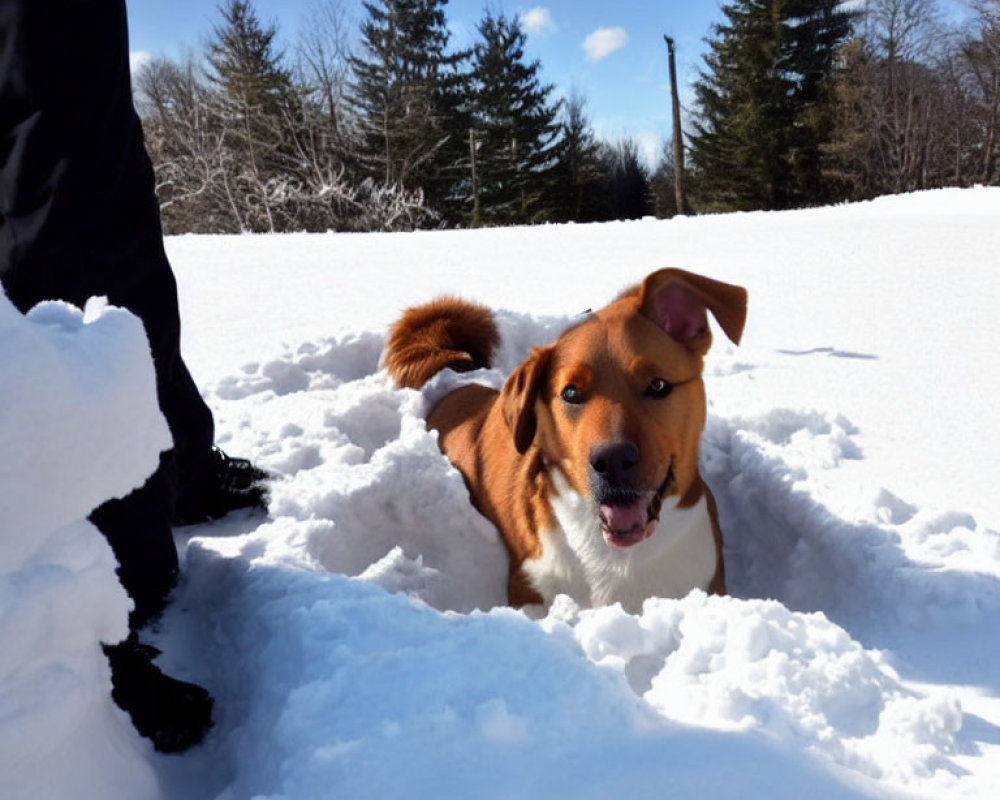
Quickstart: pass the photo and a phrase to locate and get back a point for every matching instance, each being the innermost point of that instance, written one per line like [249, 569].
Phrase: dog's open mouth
[628, 518]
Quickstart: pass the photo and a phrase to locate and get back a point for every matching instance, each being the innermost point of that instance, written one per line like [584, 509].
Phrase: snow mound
[81, 425]
[794, 534]
[72, 377]
[363, 488]
[332, 682]
[753, 665]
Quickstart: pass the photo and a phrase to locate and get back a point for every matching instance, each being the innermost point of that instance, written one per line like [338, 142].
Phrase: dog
[586, 460]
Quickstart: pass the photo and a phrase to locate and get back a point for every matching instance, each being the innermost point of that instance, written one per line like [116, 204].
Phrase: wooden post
[678, 134]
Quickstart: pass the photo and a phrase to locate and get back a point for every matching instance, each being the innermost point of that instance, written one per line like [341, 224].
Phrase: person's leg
[78, 218]
[80, 214]
[136, 527]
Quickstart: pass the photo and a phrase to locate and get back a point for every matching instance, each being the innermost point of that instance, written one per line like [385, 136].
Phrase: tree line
[807, 102]
[800, 102]
[406, 132]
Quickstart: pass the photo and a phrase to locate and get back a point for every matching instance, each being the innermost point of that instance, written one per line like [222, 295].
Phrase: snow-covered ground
[852, 445]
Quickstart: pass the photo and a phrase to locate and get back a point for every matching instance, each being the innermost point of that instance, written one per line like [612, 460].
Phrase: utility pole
[678, 134]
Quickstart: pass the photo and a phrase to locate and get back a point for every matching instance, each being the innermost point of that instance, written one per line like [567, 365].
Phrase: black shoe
[174, 714]
[232, 483]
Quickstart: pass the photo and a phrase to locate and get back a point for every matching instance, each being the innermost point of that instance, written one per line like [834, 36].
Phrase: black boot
[174, 714]
[227, 484]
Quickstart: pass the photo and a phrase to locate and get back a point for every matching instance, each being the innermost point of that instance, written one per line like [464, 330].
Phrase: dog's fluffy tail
[444, 333]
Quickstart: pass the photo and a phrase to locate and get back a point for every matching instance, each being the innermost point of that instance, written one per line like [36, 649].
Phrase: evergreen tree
[578, 172]
[819, 30]
[252, 92]
[514, 128]
[739, 146]
[243, 60]
[449, 188]
[760, 125]
[626, 189]
[404, 93]
[661, 184]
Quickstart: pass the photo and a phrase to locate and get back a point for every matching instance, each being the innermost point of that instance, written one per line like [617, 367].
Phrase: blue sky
[611, 52]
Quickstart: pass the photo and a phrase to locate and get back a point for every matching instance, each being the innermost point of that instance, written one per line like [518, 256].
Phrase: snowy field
[351, 638]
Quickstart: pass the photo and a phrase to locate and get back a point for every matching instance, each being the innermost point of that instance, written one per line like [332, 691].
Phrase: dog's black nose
[615, 463]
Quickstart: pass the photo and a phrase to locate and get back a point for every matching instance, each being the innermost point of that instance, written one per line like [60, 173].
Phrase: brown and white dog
[587, 459]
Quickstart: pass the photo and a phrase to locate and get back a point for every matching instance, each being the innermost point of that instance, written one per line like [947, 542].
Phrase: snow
[80, 425]
[355, 639]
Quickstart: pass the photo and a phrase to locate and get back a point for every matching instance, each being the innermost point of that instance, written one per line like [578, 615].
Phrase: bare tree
[901, 30]
[898, 109]
[187, 145]
[903, 33]
[206, 184]
[322, 59]
[981, 50]
[960, 130]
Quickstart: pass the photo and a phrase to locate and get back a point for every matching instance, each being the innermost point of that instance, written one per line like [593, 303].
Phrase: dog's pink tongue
[624, 518]
[625, 526]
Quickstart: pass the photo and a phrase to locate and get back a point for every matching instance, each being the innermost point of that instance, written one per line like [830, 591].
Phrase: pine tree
[818, 32]
[661, 184]
[514, 127]
[739, 144]
[578, 170]
[760, 124]
[243, 59]
[404, 95]
[448, 186]
[625, 187]
[252, 92]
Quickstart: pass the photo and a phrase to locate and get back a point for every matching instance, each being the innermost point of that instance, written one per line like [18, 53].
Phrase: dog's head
[617, 403]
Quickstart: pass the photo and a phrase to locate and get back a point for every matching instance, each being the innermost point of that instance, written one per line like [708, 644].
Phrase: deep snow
[851, 445]
[80, 425]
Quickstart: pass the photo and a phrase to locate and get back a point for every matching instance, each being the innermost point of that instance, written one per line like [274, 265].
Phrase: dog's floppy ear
[518, 396]
[677, 300]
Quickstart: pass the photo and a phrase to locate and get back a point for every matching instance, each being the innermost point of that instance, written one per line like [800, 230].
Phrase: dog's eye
[659, 388]
[572, 394]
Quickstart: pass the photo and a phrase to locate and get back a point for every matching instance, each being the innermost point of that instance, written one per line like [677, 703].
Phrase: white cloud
[603, 42]
[137, 59]
[537, 21]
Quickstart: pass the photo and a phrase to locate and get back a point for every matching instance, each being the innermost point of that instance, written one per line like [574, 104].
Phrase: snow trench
[823, 582]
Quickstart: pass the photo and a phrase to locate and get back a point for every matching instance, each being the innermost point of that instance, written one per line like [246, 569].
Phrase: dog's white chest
[575, 560]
